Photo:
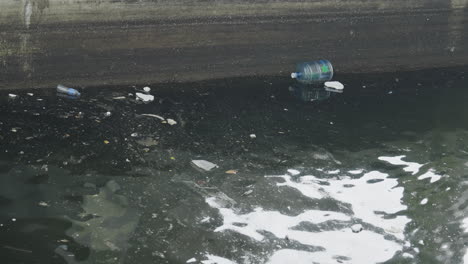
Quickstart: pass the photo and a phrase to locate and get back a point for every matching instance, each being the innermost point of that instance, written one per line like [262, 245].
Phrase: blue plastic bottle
[67, 91]
[313, 72]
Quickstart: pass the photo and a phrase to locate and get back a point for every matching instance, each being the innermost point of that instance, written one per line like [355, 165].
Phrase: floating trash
[62, 89]
[204, 165]
[144, 97]
[313, 72]
[334, 86]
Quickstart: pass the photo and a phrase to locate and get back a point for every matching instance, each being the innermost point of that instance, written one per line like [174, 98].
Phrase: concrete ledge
[88, 43]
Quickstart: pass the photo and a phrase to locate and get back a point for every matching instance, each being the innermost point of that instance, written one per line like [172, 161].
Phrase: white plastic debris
[12, 96]
[334, 85]
[13, 219]
[171, 122]
[424, 201]
[152, 115]
[356, 228]
[30, 94]
[107, 114]
[147, 89]
[191, 260]
[14, 130]
[43, 204]
[204, 165]
[253, 136]
[144, 97]
[134, 134]
[118, 97]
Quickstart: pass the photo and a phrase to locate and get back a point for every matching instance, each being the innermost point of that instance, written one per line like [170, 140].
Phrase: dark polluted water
[377, 174]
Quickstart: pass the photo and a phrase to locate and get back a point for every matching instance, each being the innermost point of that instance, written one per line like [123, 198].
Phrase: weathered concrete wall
[96, 42]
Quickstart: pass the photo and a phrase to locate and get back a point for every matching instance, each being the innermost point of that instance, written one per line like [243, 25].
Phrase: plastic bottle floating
[313, 72]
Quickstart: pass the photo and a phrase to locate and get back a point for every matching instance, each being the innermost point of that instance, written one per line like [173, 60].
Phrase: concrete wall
[99, 42]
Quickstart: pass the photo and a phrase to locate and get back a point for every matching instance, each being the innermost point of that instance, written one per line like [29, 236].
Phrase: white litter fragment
[204, 165]
[147, 89]
[253, 136]
[14, 130]
[356, 228]
[152, 115]
[205, 220]
[248, 192]
[134, 134]
[107, 114]
[191, 260]
[12, 96]
[421, 242]
[43, 204]
[118, 97]
[424, 201]
[30, 94]
[171, 122]
[13, 219]
[334, 85]
[407, 255]
[293, 172]
[144, 97]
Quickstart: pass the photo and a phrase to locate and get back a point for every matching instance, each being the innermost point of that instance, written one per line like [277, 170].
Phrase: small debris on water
[152, 115]
[30, 94]
[191, 260]
[253, 136]
[14, 130]
[205, 220]
[43, 204]
[248, 192]
[144, 97]
[107, 114]
[171, 122]
[231, 172]
[147, 89]
[118, 97]
[13, 219]
[204, 165]
[134, 134]
[334, 85]
[356, 228]
[424, 201]
[106, 142]
[12, 96]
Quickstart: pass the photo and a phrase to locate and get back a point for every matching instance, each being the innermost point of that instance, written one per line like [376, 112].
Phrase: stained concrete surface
[91, 43]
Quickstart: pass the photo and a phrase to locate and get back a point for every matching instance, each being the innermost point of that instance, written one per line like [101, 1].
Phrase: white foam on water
[212, 259]
[412, 167]
[359, 171]
[355, 248]
[369, 197]
[272, 221]
[366, 199]
[430, 174]
[294, 172]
